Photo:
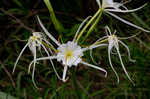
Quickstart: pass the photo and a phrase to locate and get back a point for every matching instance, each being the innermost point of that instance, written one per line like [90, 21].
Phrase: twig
[9, 75]
[17, 20]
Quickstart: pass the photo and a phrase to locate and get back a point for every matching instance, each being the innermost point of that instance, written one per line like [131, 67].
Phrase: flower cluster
[71, 53]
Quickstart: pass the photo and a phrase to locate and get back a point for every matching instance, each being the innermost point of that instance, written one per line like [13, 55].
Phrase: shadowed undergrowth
[84, 82]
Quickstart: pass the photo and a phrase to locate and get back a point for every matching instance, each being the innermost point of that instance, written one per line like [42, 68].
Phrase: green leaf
[58, 26]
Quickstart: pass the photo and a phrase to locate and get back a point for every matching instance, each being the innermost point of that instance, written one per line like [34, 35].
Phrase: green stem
[48, 46]
[93, 26]
[58, 26]
[86, 26]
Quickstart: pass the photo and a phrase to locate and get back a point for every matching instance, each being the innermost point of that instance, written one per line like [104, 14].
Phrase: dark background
[90, 83]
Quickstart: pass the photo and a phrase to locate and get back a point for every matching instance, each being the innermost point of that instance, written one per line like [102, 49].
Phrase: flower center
[69, 54]
[34, 38]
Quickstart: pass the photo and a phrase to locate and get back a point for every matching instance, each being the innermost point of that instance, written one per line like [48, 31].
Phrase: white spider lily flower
[69, 54]
[110, 6]
[34, 42]
[113, 42]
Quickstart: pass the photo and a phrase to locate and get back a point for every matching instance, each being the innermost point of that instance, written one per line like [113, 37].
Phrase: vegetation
[18, 21]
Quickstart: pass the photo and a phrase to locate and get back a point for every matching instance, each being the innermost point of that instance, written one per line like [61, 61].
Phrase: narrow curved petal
[125, 11]
[19, 57]
[85, 49]
[34, 56]
[51, 62]
[126, 22]
[34, 69]
[121, 38]
[124, 7]
[64, 73]
[128, 50]
[33, 77]
[99, 3]
[109, 32]
[96, 46]
[109, 50]
[81, 25]
[112, 52]
[92, 57]
[38, 59]
[48, 34]
[124, 67]
[96, 67]
[104, 37]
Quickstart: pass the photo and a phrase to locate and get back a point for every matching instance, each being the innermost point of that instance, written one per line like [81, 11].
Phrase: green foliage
[84, 83]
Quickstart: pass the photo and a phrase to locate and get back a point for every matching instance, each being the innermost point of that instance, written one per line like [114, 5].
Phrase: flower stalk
[93, 26]
[58, 26]
[88, 23]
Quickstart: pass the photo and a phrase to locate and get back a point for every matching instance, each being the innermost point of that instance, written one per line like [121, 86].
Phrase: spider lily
[113, 42]
[34, 42]
[110, 6]
[69, 54]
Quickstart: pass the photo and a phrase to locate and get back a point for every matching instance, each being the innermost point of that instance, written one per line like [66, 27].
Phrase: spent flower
[113, 43]
[35, 42]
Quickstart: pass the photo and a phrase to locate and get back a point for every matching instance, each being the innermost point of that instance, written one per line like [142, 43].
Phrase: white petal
[124, 7]
[43, 58]
[32, 46]
[34, 70]
[109, 50]
[99, 3]
[51, 62]
[85, 49]
[64, 73]
[96, 46]
[92, 57]
[81, 25]
[125, 11]
[124, 67]
[124, 21]
[48, 34]
[128, 50]
[19, 56]
[100, 39]
[109, 32]
[74, 51]
[96, 67]
[129, 36]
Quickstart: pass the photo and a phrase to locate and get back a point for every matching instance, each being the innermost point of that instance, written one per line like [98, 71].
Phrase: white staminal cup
[69, 54]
